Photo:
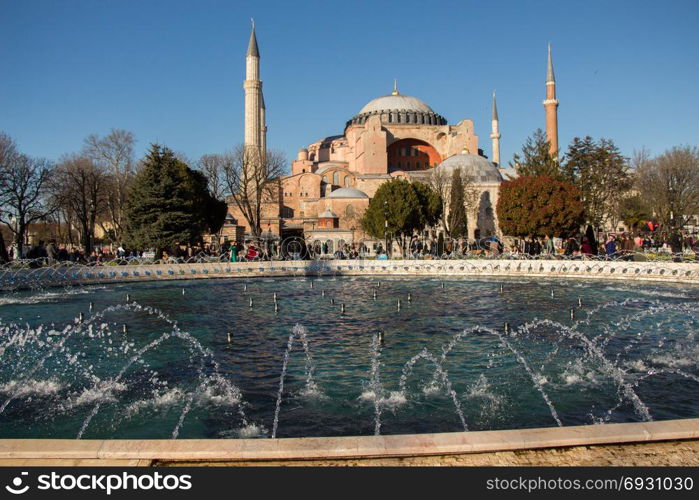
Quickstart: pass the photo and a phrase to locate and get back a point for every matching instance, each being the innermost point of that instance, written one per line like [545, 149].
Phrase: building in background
[393, 136]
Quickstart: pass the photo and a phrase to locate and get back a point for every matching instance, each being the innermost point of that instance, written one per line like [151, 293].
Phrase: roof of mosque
[478, 167]
[348, 192]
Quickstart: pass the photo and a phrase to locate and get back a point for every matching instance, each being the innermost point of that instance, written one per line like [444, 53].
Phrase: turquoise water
[629, 354]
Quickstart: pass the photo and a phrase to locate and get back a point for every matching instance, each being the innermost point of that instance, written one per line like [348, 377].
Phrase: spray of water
[298, 332]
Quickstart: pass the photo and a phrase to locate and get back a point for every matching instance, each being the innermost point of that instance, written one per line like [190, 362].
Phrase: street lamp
[385, 231]
[675, 243]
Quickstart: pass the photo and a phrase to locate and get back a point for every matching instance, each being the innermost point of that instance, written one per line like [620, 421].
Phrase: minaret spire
[252, 45]
[549, 70]
[495, 132]
[255, 128]
[551, 107]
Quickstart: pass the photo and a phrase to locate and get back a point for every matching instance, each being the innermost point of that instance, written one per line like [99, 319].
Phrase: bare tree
[214, 166]
[79, 188]
[253, 178]
[114, 153]
[670, 183]
[440, 180]
[23, 189]
[639, 158]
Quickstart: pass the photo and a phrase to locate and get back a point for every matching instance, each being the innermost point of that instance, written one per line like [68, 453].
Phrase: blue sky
[171, 71]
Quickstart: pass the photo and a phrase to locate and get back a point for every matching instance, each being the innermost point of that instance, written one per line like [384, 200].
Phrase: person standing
[51, 252]
[610, 247]
[233, 249]
[549, 247]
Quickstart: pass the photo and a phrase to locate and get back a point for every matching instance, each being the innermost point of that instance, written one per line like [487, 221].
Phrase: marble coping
[351, 446]
[676, 272]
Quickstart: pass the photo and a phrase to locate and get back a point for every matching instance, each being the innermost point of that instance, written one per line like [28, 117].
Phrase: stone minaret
[551, 107]
[495, 133]
[254, 103]
[263, 125]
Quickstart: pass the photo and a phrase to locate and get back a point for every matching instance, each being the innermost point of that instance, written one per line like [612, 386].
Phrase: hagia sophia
[392, 136]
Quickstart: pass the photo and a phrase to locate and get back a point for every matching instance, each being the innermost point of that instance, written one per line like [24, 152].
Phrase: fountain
[302, 370]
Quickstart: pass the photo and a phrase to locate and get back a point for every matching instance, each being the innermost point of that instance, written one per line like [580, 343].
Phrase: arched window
[336, 178]
[348, 181]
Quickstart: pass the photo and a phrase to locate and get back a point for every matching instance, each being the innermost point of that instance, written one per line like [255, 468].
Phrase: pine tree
[457, 210]
[601, 174]
[535, 158]
[169, 204]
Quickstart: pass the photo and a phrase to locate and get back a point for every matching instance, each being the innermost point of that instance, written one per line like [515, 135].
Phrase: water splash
[441, 373]
[311, 388]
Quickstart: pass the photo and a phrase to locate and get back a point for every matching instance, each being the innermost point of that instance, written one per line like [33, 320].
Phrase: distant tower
[495, 133]
[551, 107]
[255, 129]
[263, 125]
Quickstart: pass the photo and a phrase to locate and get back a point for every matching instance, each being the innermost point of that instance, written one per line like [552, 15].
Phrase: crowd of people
[609, 245]
[585, 245]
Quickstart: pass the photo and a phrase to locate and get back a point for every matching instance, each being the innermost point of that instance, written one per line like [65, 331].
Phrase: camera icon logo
[16, 488]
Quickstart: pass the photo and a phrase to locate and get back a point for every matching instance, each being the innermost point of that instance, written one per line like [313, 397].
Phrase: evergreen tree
[393, 210]
[170, 204]
[535, 158]
[634, 211]
[430, 204]
[399, 208]
[601, 174]
[457, 210]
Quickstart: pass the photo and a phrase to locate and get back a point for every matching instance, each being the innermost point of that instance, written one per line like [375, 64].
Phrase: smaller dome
[328, 214]
[348, 192]
[479, 168]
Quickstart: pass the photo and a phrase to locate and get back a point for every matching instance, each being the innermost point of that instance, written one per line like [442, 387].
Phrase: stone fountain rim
[346, 447]
[686, 273]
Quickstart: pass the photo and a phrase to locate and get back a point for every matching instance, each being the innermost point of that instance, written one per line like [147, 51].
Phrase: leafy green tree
[601, 174]
[169, 204]
[457, 207]
[634, 211]
[536, 158]
[539, 206]
[430, 204]
[399, 208]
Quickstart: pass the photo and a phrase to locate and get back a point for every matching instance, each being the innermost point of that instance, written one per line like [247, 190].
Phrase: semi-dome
[397, 108]
[479, 168]
[348, 192]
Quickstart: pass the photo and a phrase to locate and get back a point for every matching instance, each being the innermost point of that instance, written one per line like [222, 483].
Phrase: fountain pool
[215, 358]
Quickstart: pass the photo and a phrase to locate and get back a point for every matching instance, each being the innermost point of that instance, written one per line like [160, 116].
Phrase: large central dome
[396, 102]
[399, 109]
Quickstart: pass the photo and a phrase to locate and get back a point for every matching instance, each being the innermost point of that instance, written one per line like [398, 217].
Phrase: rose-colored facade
[394, 135]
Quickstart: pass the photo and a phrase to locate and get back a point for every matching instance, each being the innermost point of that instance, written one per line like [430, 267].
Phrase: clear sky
[171, 71]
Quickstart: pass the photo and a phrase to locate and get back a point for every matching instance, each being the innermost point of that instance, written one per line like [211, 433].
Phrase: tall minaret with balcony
[495, 133]
[551, 107]
[255, 129]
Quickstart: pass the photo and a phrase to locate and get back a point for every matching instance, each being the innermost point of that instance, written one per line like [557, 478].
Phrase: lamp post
[385, 220]
[675, 243]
